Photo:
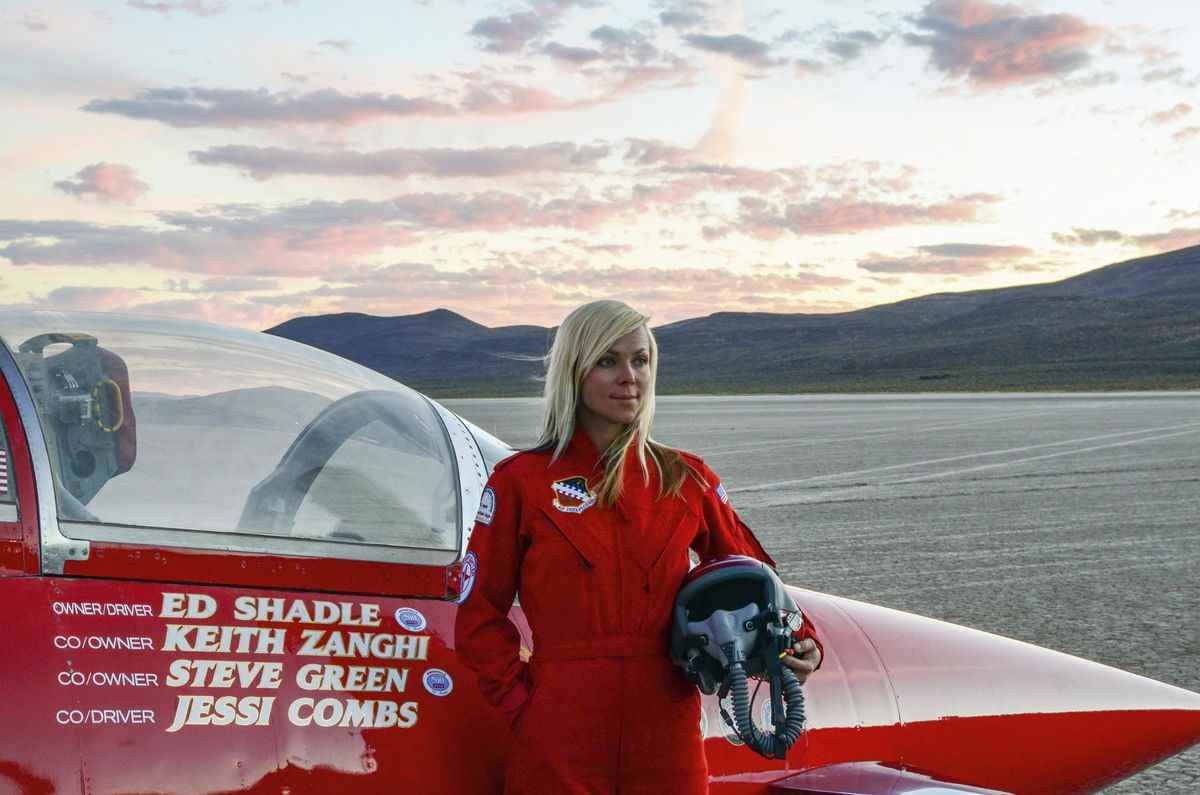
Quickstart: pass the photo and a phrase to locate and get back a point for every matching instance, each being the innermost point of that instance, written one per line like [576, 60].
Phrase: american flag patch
[3, 471]
[721, 493]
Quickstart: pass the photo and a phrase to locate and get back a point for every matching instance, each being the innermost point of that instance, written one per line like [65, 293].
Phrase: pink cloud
[536, 293]
[994, 45]
[1169, 115]
[105, 182]
[1186, 134]
[238, 108]
[263, 163]
[767, 221]
[1170, 240]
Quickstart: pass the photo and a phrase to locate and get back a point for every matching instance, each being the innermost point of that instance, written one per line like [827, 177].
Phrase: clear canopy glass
[157, 423]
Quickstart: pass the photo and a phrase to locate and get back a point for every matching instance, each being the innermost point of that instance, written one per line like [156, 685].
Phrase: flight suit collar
[582, 446]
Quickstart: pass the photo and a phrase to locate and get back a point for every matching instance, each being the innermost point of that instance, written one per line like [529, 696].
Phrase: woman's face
[616, 386]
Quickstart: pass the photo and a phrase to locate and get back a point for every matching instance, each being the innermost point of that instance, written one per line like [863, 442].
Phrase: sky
[250, 162]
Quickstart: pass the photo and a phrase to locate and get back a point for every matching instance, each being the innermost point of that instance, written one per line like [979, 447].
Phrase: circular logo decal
[437, 682]
[410, 618]
[469, 566]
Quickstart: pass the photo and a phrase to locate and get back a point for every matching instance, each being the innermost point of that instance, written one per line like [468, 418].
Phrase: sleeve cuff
[808, 632]
[515, 701]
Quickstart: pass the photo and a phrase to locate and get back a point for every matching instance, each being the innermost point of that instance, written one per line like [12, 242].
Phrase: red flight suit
[599, 708]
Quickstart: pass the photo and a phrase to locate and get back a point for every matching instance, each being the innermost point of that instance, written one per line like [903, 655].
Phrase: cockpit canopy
[162, 424]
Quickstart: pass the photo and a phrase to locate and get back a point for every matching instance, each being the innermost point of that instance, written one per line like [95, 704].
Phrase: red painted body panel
[18, 540]
[167, 564]
[457, 745]
[105, 735]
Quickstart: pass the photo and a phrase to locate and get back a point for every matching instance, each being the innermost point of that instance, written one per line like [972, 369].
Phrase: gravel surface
[1068, 521]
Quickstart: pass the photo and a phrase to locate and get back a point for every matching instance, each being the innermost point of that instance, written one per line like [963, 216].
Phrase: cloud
[509, 34]
[623, 44]
[199, 8]
[1186, 134]
[1088, 237]
[949, 259]
[1167, 241]
[572, 55]
[1178, 237]
[292, 77]
[926, 265]
[627, 62]
[1176, 75]
[827, 216]
[105, 182]
[230, 284]
[994, 45]
[263, 163]
[540, 292]
[808, 68]
[975, 251]
[343, 45]
[237, 108]
[1081, 83]
[751, 52]
[1169, 115]
[297, 239]
[503, 98]
[34, 25]
[681, 20]
[646, 152]
[94, 299]
[851, 45]
[615, 249]
[145, 301]
[681, 15]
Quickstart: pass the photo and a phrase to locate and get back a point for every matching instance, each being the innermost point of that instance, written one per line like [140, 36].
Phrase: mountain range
[1130, 325]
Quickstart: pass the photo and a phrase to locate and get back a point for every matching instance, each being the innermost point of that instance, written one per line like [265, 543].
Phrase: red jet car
[230, 563]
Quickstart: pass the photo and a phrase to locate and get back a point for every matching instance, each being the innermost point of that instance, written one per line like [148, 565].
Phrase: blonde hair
[582, 339]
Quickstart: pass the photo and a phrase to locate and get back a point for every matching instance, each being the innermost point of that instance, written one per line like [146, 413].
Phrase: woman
[593, 528]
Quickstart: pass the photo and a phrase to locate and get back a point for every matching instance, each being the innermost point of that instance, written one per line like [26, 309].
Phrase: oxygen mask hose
[769, 744]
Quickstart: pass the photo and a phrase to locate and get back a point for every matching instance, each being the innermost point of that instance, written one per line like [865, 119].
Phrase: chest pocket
[661, 535]
[571, 536]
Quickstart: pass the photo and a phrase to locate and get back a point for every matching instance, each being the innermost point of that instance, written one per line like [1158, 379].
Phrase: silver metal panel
[56, 548]
[472, 472]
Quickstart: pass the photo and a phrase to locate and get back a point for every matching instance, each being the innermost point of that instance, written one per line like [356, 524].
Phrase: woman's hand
[803, 660]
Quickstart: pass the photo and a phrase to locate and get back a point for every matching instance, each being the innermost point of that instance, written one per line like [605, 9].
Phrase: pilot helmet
[731, 609]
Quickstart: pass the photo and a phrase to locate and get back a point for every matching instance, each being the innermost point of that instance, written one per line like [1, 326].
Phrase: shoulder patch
[487, 507]
[721, 493]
